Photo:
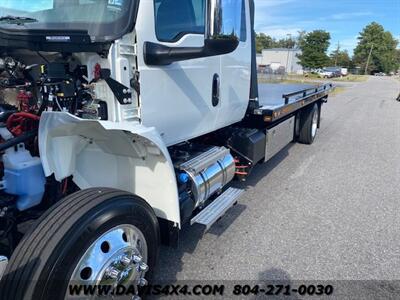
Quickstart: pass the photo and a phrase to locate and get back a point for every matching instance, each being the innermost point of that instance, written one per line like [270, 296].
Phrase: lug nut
[125, 260]
[143, 267]
[142, 282]
[112, 273]
[137, 259]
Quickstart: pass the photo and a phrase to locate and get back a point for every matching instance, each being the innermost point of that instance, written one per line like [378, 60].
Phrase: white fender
[126, 156]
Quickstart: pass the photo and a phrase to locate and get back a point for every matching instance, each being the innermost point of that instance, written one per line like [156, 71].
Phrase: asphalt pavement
[329, 211]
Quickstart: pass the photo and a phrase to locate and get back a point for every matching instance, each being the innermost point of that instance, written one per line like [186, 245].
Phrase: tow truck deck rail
[271, 106]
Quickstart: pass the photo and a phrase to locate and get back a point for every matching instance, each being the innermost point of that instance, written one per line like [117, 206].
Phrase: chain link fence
[266, 73]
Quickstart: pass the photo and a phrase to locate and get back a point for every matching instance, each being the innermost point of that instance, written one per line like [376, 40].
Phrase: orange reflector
[267, 119]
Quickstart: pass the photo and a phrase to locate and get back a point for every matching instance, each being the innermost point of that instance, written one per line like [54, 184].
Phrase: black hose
[17, 140]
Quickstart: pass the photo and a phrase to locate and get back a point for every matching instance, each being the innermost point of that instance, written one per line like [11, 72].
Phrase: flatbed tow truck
[121, 123]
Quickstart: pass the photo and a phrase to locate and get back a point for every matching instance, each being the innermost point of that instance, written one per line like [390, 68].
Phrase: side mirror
[220, 38]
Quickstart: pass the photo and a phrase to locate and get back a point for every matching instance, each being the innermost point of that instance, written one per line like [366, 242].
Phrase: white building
[276, 58]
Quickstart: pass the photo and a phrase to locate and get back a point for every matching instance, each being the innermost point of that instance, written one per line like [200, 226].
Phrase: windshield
[104, 20]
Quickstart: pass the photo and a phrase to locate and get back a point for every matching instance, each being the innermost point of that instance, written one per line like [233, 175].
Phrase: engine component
[23, 177]
[101, 90]
[209, 172]
[59, 88]
[51, 72]
[11, 142]
[19, 123]
[6, 111]
[10, 65]
[94, 110]
[11, 73]
[24, 99]
[9, 96]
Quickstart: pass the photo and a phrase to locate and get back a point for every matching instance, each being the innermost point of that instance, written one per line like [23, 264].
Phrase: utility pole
[369, 58]
[337, 54]
[288, 53]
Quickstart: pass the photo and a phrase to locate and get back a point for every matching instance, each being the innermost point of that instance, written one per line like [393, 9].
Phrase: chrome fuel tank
[209, 172]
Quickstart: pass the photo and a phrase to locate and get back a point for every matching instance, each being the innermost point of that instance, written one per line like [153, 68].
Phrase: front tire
[100, 223]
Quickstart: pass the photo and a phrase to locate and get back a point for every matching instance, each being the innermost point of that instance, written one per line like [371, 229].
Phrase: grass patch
[311, 77]
[305, 78]
[294, 81]
[291, 79]
[352, 78]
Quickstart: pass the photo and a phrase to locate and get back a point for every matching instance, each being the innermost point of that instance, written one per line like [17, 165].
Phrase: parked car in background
[380, 74]
[323, 73]
[336, 71]
[344, 71]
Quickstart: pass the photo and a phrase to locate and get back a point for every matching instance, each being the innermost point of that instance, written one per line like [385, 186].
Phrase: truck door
[236, 66]
[176, 99]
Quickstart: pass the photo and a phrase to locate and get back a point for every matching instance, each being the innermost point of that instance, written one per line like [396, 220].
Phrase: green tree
[381, 45]
[263, 41]
[314, 47]
[341, 58]
[398, 59]
[285, 43]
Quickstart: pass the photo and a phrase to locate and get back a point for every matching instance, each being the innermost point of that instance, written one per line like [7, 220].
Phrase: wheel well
[132, 159]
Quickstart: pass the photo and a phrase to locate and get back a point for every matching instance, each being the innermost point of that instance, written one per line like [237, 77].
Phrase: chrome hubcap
[314, 126]
[118, 257]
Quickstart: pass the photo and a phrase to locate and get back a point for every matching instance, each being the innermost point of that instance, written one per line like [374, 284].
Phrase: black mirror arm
[161, 55]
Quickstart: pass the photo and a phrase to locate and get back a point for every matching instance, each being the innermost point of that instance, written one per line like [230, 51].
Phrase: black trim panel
[36, 40]
[161, 55]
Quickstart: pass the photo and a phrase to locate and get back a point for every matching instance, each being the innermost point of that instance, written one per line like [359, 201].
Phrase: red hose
[14, 122]
[241, 173]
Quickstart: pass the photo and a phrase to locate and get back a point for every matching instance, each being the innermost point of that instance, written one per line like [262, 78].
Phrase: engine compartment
[32, 83]
[60, 84]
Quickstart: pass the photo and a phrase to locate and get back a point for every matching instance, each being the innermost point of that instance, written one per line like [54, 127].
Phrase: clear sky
[344, 19]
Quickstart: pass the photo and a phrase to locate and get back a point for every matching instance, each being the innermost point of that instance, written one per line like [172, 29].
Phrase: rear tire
[309, 122]
[47, 258]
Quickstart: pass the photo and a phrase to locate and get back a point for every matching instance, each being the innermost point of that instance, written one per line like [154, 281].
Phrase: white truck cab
[182, 106]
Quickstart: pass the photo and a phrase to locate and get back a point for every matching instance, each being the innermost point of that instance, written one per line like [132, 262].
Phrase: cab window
[175, 18]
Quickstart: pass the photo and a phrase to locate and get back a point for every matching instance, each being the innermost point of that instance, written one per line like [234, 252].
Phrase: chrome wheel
[314, 125]
[118, 257]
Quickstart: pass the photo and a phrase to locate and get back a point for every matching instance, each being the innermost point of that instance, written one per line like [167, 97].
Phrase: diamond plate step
[217, 208]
